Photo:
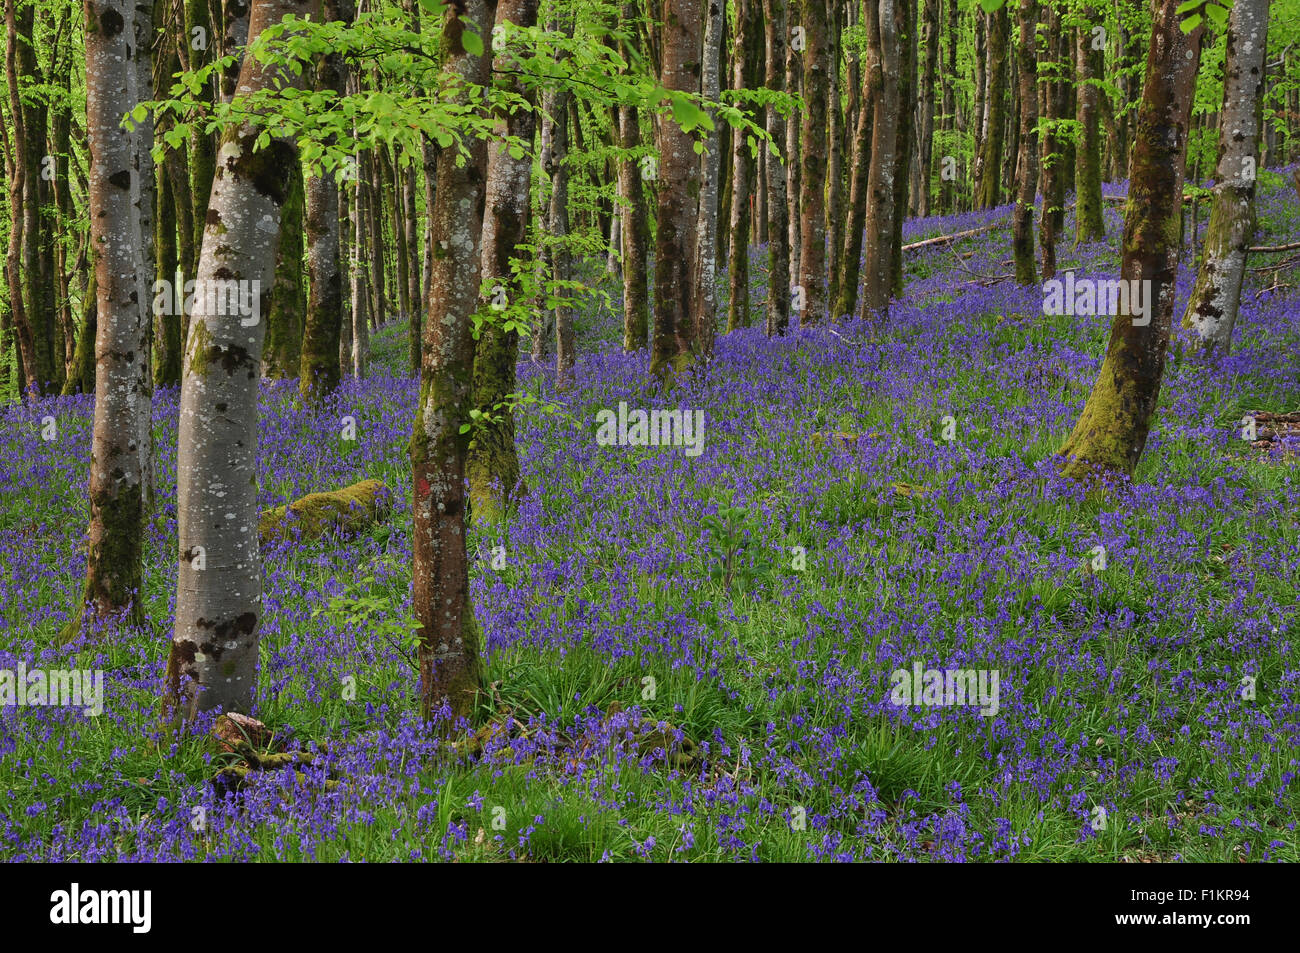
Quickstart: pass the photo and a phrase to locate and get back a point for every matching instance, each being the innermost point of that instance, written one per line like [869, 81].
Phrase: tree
[636, 223]
[812, 198]
[746, 73]
[706, 230]
[1112, 430]
[117, 475]
[1089, 224]
[673, 336]
[1212, 309]
[319, 371]
[883, 38]
[778, 233]
[988, 174]
[214, 651]
[448, 651]
[1027, 152]
[555, 161]
[493, 464]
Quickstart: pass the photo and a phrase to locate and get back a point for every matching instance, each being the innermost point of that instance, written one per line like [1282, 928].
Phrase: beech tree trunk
[1212, 309]
[989, 178]
[448, 653]
[214, 651]
[812, 197]
[778, 234]
[319, 371]
[493, 463]
[1027, 146]
[1052, 155]
[883, 65]
[1089, 224]
[706, 227]
[1112, 430]
[746, 73]
[117, 490]
[673, 343]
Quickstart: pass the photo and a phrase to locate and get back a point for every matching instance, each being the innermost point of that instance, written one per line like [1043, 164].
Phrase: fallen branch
[1268, 249]
[940, 239]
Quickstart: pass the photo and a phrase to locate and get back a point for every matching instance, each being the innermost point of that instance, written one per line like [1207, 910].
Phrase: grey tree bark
[213, 659]
[117, 491]
[1212, 309]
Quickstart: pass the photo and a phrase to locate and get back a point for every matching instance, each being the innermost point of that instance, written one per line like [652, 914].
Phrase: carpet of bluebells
[645, 704]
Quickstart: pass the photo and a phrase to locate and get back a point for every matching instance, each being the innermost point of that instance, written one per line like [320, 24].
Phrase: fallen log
[348, 510]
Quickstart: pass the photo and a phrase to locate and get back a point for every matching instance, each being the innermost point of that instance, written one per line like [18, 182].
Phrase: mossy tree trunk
[1052, 153]
[284, 325]
[635, 236]
[1089, 224]
[1112, 430]
[202, 151]
[1212, 309]
[1027, 151]
[493, 464]
[319, 365]
[450, 668]
[214, 651]
[117, 493]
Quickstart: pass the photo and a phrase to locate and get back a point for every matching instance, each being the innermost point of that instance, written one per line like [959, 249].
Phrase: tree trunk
[1112, 430]
[746, 74]
[989, 178]
[1212, 309]
[812, 198]
[930, 19]
[1089, 224]
[673, 344]
[449, 641]
[706, 227]
[1027, 146]
[283, 347]
[319, 370]
[493, 464]
[846, 298]
[883, 67]
[904, 154]
[1053, 148]
[555, 161]
[214, 652]
[778, 235]
[117, 492]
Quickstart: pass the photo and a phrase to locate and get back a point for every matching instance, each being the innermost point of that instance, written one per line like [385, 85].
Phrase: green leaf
[472, 42]
[991, 6]
[1191, 23]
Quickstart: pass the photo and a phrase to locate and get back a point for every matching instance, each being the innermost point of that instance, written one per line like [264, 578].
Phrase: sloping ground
[693, 657]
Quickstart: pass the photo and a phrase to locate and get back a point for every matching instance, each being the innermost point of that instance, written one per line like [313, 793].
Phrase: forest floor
[647, 703]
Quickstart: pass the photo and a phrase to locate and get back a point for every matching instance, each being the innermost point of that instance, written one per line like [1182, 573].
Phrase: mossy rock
[349, 510]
